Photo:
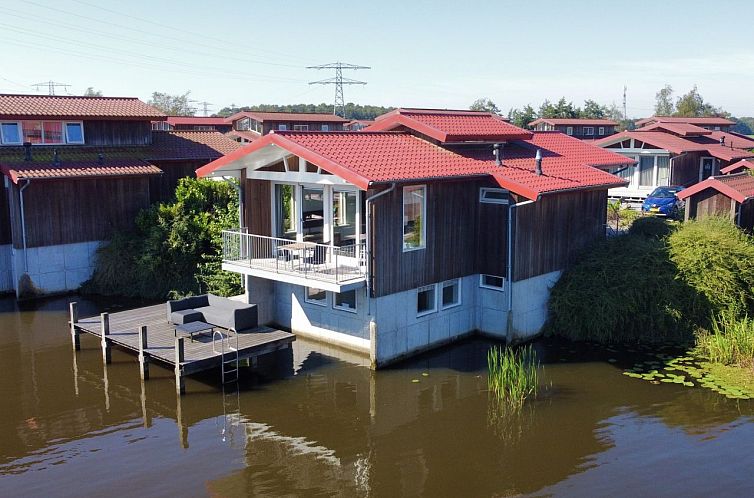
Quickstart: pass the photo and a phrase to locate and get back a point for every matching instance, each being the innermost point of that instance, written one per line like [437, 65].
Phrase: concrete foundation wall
[6, 269]
[56, 268]
[530, 299]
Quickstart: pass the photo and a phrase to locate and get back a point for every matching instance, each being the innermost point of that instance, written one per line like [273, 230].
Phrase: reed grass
[513, 374]
[731, 341]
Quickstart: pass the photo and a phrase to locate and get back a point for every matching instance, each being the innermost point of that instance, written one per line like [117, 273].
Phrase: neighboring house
[75, 170]
[742, 165]
[358, 124]
[584, 129]
[392, 242]
[708, 123]
[193, 123]
[673, 154]
[250, 125]
[730, 196]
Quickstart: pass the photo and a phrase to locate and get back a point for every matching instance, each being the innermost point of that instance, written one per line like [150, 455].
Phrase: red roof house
[742, 165]
[709, 122]
[585, 129]
[248, 126]
[730, 196]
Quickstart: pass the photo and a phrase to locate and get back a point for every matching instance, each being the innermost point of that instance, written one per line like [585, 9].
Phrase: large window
[242, 124]
[663, 171]
[285, 211]
[41, 132]
[414, 217]
[10, 133]
[345, 301]
[646, 171]
[426, 301]
[344, 217]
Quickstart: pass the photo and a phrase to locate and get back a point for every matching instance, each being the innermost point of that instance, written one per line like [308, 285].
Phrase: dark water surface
[323, 424]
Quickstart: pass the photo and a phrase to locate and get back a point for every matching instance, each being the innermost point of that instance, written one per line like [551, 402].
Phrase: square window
[32, 131]
[325, 127]
[492, 282]
[53, 132]
[74, 133]
[414, 217]
[588, 130]
[10, 133]
[451, 293]
[425, 300]
[315, 296]
[282, 127]
[346, 301]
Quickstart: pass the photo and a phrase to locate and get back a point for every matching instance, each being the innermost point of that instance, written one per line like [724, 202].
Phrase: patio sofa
[215, 310]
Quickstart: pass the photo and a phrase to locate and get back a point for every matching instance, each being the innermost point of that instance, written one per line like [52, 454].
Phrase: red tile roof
[739, 187]
[682, 129]
[363, 158]
[66, 107]
[736, 146]
[197, 120]
[703, 121]
[80, 169]
[740, 165]
[248, 135]
[574, 122]
[451, 125]
[188, 145]
[310, 117]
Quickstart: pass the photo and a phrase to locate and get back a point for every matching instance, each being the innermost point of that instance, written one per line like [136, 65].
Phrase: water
[323, 424]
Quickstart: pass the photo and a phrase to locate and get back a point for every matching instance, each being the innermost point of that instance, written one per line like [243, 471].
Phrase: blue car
[663, 202]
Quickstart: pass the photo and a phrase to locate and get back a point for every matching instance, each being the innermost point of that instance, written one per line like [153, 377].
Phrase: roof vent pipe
[100, 159]
[497, 151]
[538, 163]
[55, 158]
[27, 151]
[722, 140]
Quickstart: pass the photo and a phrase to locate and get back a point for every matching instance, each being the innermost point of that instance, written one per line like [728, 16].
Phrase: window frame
[423, 234]
[348, 309]
[325, 127]
[19, 132]
[426, 288]
[65, 132]
[300, 127]
[485, 200]
[491, 287]
[282, 127]
[601, 131]
[315, 302]
[589, 131]
[569, 131]
[443, 285]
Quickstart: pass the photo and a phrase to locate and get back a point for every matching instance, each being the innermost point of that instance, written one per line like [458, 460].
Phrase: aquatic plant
[731, 341]
[512, 374]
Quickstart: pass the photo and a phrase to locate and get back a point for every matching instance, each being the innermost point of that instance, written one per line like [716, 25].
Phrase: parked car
[663, 202]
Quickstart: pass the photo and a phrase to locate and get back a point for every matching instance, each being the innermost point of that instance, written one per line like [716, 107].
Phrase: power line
[51, 86]
[205, 107]
[338, 81]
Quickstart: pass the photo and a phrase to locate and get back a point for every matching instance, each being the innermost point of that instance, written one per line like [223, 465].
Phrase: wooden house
[730, 196]
[428, 226]
[193, 123]
[76, 169]
[250, 125]
[674, 153]
[358, 124]
[584, 129]
[711, 123]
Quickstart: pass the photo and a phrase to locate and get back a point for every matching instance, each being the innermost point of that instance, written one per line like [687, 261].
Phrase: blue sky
[422, 54]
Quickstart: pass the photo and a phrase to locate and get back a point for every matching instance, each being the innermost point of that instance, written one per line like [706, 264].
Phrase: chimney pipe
[497, 151]
[722, 140]
[27, 151]
[538, 163]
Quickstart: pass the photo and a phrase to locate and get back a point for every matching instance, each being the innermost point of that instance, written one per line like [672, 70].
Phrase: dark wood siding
[258, 207]
[710, 202]
[268, 126]
[453, 230]
[117, 132]
[69, 211]
[162, 187]
[686, 169]
[747, 215]
[5, 230]
[551, 232]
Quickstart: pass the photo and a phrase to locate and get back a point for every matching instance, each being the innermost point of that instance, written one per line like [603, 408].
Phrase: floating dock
[147, 332]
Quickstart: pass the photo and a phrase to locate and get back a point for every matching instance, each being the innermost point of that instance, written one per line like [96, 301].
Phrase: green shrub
[651, 226]
[174, 248]
[731, 341]
[716, 258]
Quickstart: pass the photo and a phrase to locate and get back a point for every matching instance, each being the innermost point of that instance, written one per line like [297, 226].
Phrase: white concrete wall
[57, 268]
[6, 269]
[530, 299]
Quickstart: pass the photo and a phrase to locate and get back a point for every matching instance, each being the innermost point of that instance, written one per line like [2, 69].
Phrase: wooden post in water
[105, 323]
[143, 359]
[74, 315]
[180, 386]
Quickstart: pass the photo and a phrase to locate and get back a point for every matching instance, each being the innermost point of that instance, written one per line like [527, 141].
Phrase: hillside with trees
[353, 111]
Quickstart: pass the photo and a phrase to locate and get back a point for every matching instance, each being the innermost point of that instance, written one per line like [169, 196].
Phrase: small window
[493, 195]
[74, 133]
[569, 130]
[601, 130]
[425, 300]
[325, 127]
[492, 282]
[315, 296]
[414, 217]
[282, 127]
[346, 301]
[10, 133]
[299, 127]
[451, 293]
[588, 130]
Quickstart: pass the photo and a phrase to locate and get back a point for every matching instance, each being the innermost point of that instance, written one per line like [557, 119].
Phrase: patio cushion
[186, 316]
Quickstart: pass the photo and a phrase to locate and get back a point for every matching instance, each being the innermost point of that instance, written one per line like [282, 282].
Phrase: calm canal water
[323, 424]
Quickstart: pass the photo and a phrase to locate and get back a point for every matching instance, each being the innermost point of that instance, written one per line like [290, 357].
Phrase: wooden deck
[186, 357]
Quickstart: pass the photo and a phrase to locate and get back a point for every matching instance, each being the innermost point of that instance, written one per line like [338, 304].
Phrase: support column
[143, 359]
[74, 317]
[105, 342]
[180, 385]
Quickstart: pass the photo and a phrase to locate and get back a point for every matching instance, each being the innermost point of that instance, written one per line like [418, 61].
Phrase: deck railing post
[74, 314]
[105, 332]
[180, 386]
[143, 358]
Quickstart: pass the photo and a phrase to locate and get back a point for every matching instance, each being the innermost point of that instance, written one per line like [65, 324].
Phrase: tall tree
[562, 109]
[664, 101]
[692, 104]
[91, 92]
[172, 105]
[522, 117]
[484, 104]
[593, 110]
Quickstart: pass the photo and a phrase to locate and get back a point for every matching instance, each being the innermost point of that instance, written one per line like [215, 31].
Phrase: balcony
[322, 266]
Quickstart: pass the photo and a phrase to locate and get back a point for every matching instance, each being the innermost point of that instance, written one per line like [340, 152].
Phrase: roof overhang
[715, 184]
[395, 119]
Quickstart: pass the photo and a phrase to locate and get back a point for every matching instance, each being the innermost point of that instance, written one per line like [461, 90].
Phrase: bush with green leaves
[174, 248]
[652, 226]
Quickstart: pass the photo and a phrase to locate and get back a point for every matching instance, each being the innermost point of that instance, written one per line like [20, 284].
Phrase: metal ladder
[228, 368]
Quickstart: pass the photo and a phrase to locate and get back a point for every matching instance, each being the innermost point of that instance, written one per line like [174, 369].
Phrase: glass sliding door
[344, 205]
[313, 214]
[285, 211]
